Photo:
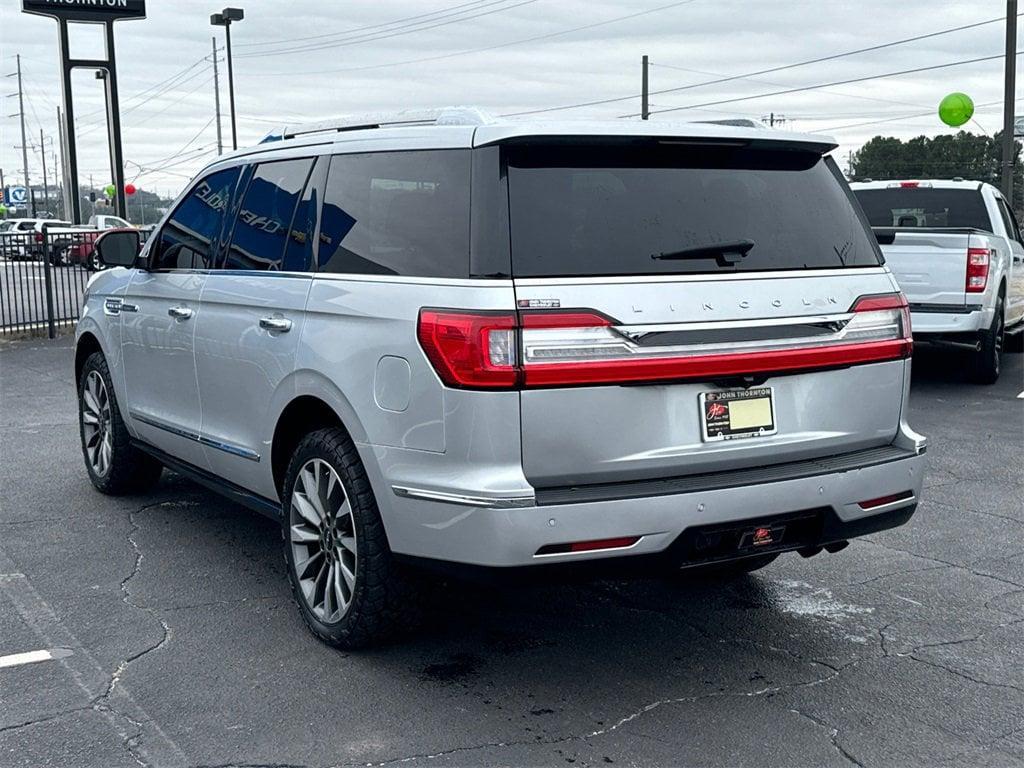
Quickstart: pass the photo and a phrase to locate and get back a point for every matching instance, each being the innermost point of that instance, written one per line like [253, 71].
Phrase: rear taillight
[474, 350]
[498, 350]
[978, 260]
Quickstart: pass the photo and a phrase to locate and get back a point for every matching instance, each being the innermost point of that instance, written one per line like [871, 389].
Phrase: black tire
[128, 469]
[1015, 342]
[382, 599]
[986, 364]
[725, 571]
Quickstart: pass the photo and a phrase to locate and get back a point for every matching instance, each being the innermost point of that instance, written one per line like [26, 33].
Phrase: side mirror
[118, 247]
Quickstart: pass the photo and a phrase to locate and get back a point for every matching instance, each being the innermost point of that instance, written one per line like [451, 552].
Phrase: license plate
[736, 414]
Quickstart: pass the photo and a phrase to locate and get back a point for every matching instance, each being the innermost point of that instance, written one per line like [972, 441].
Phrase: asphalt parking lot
[179, 645]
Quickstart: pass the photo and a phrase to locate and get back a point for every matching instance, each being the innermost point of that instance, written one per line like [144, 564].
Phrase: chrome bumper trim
[487, 502]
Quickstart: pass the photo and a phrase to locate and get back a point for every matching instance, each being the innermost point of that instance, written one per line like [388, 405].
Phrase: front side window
[397, 213]
[265, 216]
[189, 238]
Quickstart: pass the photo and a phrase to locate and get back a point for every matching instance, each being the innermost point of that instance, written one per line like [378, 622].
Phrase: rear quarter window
[397, 213]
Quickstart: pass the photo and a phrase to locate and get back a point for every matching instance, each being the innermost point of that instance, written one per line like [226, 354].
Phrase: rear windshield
[924, 207]
[672, 209]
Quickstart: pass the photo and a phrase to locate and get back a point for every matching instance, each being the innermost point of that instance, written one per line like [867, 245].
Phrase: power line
[386, 35]
[469, 51]
[153, 87]
[826, 85]
[929, 113]
[782, 85]
[747, 75]
[361, 29]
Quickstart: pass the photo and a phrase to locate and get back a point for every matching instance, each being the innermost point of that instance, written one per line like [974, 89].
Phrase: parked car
[104, 222]
[82, 252]
[17, 238]
[469, 344]
[956, 250]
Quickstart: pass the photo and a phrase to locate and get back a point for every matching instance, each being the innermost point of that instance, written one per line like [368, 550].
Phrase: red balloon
[129, 189]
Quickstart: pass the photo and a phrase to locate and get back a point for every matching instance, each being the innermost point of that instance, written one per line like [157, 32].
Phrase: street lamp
[224, 19]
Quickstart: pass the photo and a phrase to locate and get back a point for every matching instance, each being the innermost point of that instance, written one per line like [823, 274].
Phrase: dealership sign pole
[104, 12]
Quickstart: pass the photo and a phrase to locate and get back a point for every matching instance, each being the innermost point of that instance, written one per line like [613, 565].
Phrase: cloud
[688, 43]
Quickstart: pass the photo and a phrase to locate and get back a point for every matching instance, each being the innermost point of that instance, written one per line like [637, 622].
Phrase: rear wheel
[987, 360]
[114, 465]
[350, 591]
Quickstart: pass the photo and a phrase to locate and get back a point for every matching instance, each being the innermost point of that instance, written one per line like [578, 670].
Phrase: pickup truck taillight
[509, 350]
[978, 260]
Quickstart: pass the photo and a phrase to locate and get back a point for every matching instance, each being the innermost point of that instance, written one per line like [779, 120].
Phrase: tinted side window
[397, 213]
[189, 238]
[265, 216]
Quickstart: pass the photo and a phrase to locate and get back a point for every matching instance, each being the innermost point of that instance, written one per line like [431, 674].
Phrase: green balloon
[110, 189]
[956, 109]
[3, 209]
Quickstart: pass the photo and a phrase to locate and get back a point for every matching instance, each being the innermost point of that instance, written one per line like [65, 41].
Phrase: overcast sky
[309, 60]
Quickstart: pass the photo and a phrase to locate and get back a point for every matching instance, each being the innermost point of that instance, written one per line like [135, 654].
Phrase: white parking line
[32, 657]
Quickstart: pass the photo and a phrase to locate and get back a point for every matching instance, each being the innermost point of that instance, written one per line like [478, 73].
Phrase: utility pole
[645, 107]
[42, 157]
[216, 98]
[56, 186]
[65, 174]
[24, 138]
[1011, 76]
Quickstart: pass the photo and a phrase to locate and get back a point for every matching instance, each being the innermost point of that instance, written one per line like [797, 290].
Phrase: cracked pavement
[185, 650]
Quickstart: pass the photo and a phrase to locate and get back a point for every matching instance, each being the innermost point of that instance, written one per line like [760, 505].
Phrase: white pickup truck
[955, 248]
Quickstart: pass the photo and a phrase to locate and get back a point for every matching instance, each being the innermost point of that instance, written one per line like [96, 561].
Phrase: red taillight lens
[474, 350]
[978, 261]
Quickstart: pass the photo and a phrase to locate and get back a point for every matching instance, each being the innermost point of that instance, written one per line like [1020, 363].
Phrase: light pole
[224, 19]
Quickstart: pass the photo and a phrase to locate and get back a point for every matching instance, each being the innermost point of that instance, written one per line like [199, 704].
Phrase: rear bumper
[509, 534]
[939, 320]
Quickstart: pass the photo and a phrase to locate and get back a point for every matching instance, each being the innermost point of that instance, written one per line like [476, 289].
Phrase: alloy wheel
[98, 439]
[322, 536]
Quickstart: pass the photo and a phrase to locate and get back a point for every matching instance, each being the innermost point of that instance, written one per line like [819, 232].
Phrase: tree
[965, 155]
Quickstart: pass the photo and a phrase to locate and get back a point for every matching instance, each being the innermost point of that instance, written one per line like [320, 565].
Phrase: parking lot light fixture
[224, 19]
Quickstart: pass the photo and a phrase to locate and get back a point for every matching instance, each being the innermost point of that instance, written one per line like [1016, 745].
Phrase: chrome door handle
[276, 324]
[180, 313]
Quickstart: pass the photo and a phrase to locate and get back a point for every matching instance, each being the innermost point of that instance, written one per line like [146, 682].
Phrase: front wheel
[987, 360]
[114, 465]
[349, 589]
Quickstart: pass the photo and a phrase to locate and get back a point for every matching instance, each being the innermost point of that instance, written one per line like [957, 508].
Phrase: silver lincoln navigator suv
[444, 340]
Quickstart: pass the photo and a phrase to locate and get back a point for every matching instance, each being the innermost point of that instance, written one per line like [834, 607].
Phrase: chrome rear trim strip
[487, 502]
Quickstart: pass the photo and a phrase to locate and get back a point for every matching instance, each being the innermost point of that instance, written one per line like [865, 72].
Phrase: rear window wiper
[726, 254]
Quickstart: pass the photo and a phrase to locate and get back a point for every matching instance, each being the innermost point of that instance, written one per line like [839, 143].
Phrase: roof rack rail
[441, 116]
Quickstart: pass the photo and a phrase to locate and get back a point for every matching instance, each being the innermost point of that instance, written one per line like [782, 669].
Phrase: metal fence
[42, 279]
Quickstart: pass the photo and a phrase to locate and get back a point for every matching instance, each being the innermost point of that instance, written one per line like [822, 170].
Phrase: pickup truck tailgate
[929, 266]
